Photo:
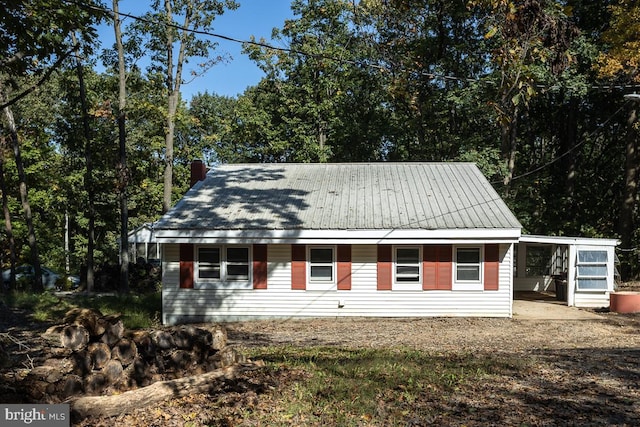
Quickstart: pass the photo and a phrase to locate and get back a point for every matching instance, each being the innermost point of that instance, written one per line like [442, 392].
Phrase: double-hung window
[209, 263]
[222, 265]
[321, 269]
[408, 266]
[592, 270]
[237, 263]
[468, 268]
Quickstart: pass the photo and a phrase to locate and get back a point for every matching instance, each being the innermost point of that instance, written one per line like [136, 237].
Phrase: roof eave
[391, 236]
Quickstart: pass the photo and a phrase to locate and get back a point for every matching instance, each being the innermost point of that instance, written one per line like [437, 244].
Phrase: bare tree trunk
[171, 112]
[122, 163]
[88, 180]
[15, 142]
[173, 90]
[626, 223]
[154, 394]
[8, 229]
[510, 147]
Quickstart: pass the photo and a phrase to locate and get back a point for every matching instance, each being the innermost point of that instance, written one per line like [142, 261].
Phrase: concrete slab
[545, 309]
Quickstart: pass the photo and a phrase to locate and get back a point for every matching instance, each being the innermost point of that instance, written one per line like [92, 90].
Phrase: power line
[569, 151]
[431, 75]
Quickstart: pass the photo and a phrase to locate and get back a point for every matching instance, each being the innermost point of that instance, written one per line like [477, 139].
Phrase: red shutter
[445, 267]
[259, 266]
[491, 267]
[298, 267]
[186, 266]
[436, 267]
[429, 267]
[385, 267]
[344, 267]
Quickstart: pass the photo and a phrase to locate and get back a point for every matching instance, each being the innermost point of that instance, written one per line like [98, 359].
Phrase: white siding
[279, 301]
[591, 299]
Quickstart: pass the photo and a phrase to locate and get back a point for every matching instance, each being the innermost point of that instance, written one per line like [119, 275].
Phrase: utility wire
[434, 76]
[569, 151]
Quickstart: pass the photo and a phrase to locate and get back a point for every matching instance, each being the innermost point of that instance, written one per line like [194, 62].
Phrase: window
[537, 261]
[408, 265]
[209, 264]
[468, 265]
[592, 270]
[321, 264]
[223, 264]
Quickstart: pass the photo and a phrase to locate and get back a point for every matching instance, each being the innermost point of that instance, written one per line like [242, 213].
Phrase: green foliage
[137, 311]
[511, 86]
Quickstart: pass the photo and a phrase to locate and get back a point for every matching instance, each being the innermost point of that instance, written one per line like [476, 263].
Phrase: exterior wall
[364, 299]
[591, 299]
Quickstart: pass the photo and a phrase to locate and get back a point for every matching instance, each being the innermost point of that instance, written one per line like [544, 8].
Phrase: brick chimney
[198, 171]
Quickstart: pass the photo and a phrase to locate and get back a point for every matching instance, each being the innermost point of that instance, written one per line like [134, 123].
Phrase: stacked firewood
[93, 354]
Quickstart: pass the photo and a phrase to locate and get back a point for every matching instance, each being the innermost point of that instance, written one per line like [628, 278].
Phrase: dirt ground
[578, 371]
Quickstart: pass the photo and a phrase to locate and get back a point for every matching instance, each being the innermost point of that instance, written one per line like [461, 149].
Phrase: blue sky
[253, 17]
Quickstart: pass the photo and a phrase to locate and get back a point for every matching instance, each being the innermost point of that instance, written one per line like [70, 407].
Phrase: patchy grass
[137, 311]
[350, 387]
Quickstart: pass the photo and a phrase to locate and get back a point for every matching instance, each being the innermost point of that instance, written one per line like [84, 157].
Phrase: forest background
[538, 93]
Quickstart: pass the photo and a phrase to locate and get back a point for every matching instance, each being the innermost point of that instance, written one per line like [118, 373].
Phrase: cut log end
[74, 337]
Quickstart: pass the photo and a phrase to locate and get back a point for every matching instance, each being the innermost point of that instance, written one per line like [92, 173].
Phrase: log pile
[92, 354]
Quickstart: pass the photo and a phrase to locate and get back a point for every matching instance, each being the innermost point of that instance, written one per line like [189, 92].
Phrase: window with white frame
[209, 263]
[321, 264]
[237, 263]
[222, 264]
[408, 265]
[592, 270]
[468, 265]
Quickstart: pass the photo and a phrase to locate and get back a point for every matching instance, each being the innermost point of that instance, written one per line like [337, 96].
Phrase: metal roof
[351, 196]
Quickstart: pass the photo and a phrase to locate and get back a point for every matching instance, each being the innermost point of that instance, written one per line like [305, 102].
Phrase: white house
[255, 241]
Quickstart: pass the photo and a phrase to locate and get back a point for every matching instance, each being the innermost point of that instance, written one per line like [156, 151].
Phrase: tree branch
[42, 79]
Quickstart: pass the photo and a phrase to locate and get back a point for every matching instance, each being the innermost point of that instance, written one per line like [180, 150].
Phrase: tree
[620, 63]
[172, 44]
[531, 43]
[321, 99]
[34, 43]
[122, 161]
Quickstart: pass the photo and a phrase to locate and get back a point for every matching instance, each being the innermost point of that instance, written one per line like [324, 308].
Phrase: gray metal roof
[353, 196]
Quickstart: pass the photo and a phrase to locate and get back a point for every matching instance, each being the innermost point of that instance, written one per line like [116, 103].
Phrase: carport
[579, 271]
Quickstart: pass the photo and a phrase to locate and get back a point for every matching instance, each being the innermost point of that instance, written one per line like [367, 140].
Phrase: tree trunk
[509, 147]
[171, 111]
[26, 207]
[122, 162]
[8, 229]
[128, 401]
[626, 222]
[173, 91]
[88, 180]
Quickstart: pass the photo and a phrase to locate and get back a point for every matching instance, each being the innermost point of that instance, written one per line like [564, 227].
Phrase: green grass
[137, 311]
[340, 386]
